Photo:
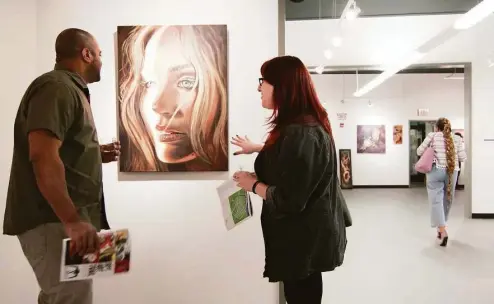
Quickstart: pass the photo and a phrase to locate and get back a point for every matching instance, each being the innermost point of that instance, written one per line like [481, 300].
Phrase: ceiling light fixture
[475, 15]
[319, 69]
[468, 20]
[351, 11]
[328, 54]
[389, 72]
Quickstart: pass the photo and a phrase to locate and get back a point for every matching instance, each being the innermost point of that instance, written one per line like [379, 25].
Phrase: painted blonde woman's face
[170, 91]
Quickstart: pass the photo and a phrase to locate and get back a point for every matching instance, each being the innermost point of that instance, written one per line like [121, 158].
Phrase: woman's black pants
[305, 291]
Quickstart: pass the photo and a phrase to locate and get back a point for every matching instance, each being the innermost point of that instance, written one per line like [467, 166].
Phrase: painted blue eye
[187, 84]
[147, 84]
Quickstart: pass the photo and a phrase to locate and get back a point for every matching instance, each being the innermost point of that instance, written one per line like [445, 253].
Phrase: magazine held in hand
[235, 203]
[113, 257]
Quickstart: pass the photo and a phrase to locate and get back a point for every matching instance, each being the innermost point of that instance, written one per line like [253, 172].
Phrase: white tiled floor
[392, 255]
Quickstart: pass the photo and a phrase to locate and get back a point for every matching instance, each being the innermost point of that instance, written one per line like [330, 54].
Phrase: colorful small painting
[398, 134]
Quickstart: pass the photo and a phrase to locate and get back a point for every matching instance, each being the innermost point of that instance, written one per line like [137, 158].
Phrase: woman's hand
[245, 180]
[247, 147]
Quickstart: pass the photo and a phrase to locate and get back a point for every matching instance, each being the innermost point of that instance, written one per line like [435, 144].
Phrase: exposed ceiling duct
[306, 10]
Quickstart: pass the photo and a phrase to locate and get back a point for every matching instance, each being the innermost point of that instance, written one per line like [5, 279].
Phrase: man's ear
[87, 56]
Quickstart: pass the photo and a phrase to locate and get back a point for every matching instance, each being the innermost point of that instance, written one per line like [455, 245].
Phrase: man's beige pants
[42, 247]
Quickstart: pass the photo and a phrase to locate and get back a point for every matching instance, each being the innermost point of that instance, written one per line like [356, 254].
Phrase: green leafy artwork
[238, 206]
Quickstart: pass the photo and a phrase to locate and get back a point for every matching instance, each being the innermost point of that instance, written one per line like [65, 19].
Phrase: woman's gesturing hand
[247, 146]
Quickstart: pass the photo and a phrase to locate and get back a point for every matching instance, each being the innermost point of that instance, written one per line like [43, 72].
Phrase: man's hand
[84, 239]
[110, 152]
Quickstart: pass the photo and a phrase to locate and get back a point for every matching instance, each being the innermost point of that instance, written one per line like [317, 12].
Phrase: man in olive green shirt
[55, 189]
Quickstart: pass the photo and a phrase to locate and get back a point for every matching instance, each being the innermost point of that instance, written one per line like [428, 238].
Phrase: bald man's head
[79, 50]
[71, 42]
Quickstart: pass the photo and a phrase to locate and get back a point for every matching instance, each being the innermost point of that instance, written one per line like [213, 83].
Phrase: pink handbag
[424, 165]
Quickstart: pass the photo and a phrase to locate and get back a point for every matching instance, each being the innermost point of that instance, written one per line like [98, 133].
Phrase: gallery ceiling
[316, 9]
[452, 69]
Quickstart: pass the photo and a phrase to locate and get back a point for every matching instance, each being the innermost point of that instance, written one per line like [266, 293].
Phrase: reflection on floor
[392, 256]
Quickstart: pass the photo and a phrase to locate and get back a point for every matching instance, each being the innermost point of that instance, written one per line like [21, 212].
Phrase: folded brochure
[236, 204]
[113, 257]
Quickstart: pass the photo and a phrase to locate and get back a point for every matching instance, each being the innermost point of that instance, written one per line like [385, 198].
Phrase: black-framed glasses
[261, 80]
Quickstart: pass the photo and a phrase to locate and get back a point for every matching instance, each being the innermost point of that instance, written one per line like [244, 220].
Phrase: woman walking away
[302, 216]
[449, 150]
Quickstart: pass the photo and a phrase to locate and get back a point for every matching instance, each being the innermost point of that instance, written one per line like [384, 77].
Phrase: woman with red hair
[302, 218]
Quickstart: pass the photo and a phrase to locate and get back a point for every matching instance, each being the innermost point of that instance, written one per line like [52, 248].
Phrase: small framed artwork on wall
[398, 134]
[371, 139]
[346, 178]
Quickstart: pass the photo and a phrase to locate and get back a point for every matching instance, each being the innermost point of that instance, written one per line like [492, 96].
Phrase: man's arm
[51, 112]
[49, 171]
[50, 174]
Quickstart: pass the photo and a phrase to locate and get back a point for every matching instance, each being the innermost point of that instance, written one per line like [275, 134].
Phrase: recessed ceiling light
[328, 54]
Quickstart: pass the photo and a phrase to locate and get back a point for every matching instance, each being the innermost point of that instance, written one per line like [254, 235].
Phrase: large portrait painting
[346, 179]
[172, 98]
[371, 139]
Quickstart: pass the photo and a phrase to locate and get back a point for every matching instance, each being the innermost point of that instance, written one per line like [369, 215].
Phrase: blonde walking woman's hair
[206, 48]
[444, 125]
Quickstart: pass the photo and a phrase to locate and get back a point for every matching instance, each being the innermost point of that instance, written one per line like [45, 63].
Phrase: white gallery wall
[394, 103]
[18, 36]
[182, 252]
[374, 41]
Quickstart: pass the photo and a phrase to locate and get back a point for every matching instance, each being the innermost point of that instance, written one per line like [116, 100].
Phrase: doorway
[418, 130]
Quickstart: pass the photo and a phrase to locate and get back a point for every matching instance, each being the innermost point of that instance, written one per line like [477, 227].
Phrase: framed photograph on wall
[398, 134]
[371, 139]
[346, 177]
[173, 98]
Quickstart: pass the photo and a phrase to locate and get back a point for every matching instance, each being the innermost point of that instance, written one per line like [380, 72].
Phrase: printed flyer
[235, 203]
[113, 257]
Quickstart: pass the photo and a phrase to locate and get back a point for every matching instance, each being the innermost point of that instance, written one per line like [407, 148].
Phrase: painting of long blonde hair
[205, 47]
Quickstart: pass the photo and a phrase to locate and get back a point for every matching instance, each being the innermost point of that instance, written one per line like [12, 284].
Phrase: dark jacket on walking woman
[303, 218]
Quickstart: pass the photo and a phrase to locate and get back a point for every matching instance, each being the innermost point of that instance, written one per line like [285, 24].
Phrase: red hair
[294, 97]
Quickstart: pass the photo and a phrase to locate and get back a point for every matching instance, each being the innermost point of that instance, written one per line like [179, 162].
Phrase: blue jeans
[437, 183]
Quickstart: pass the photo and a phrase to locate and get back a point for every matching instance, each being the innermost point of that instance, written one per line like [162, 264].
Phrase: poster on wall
[371, 139]
[172, 98]
[398, 134]
[341, 116]
[346, 179]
